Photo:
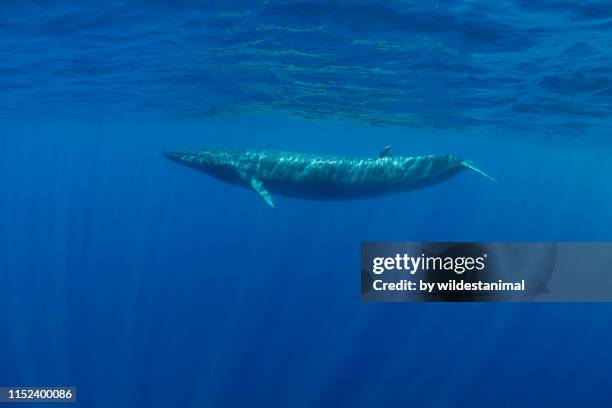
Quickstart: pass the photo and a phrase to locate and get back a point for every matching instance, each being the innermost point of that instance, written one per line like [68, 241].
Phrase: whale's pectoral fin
[386, 152]
[261, 190]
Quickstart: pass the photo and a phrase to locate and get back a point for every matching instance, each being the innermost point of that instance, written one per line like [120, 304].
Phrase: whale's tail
[470, 165]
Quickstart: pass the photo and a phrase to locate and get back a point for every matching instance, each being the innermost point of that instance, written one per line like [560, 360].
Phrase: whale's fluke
[470, 165]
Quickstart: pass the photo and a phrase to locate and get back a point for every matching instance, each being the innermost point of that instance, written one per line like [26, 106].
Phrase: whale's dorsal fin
[261, 190]
[386, 152]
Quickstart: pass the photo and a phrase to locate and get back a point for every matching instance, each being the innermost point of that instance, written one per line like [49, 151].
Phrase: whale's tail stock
[470, 165]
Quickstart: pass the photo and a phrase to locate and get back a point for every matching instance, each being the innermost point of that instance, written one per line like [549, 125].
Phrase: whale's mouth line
[179, 156]
[174, 153]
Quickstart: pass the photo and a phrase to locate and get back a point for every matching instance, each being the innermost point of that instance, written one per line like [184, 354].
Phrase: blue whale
[322, 177]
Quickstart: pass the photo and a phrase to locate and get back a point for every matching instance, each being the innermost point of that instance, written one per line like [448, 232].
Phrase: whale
[323, 177]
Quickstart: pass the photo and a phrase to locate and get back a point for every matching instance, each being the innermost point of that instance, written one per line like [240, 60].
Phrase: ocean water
[147, 284]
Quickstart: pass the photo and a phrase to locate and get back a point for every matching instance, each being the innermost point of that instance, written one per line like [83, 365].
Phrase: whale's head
[217, 163]
[203, 160]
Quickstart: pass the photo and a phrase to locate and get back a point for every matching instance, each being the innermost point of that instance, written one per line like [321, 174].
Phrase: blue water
[144, 283]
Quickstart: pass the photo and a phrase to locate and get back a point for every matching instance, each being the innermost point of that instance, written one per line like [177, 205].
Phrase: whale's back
[339, 177]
